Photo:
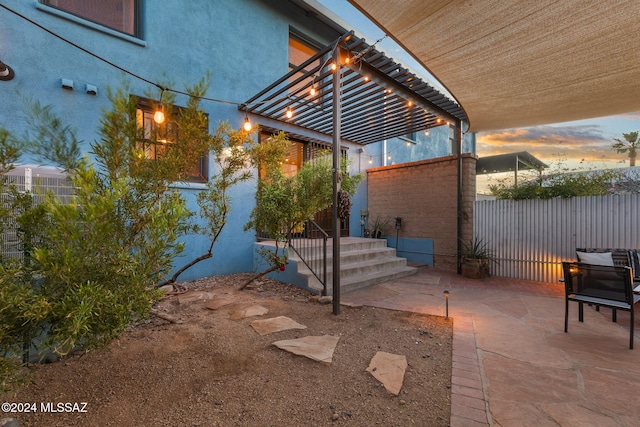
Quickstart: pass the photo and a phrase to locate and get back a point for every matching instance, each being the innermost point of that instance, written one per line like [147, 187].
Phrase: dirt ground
[213, 369]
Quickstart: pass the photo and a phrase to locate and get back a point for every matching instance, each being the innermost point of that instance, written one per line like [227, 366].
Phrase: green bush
[558, 183]
[90, 265]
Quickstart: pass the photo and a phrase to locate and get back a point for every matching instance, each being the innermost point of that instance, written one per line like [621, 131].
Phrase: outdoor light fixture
[312, 92]
[158, 116]
[247, 124]
[446, 300]
[6, 73]
[289, 113]
[426, 132]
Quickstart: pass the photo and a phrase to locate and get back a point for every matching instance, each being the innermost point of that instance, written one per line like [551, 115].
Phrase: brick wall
[424, 195]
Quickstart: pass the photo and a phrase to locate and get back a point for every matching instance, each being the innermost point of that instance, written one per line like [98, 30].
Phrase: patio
[512, 362]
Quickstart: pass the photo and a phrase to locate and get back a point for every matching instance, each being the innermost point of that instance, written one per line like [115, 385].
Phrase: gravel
[205, 369]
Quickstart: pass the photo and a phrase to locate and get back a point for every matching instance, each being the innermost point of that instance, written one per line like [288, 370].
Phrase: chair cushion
[602, 258]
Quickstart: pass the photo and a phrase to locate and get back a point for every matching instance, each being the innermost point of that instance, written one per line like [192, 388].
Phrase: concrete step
[363, 262]
[357, 255]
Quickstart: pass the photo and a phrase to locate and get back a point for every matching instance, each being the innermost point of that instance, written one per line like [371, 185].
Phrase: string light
[158, 116]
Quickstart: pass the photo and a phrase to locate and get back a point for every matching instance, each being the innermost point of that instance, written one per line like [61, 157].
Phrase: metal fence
[38, 187]
[531, 238]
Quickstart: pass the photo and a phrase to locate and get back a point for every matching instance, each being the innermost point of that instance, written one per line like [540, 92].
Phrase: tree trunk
[258, 275]
[173, 279]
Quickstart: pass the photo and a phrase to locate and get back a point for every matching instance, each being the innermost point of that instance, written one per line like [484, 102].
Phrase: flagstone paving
[512, 362]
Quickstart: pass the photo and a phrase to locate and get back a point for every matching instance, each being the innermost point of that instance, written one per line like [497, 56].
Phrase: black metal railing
[311, 246]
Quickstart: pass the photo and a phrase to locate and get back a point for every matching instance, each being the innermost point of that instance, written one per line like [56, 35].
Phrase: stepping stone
[218, 302]
[316, 348]
[389, 370]
[195, 297]
[242, 312]
[276, 324]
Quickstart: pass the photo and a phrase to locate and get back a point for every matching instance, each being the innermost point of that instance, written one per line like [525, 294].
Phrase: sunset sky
[580, 145]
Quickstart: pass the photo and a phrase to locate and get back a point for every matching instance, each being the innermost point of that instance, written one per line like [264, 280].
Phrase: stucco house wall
[241, 44]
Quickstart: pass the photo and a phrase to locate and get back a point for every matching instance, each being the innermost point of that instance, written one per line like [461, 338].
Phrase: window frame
[148, 108]
[137, 27]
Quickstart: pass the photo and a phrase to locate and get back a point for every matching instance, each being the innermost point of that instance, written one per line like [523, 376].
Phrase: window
[299, 52]
[156, 140]
[120, 15]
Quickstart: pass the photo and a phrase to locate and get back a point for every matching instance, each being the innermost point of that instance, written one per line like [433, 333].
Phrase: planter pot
[475, 268]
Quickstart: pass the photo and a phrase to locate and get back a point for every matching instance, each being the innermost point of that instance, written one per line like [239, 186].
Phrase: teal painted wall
[243, 44]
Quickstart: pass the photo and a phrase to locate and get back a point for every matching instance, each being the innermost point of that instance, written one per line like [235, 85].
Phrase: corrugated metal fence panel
[531, 238]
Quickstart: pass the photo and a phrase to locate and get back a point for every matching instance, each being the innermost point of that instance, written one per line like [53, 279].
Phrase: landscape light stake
[446, 304]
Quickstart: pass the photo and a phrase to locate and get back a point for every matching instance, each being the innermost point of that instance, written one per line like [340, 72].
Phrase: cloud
[575, 143]
[631, 116]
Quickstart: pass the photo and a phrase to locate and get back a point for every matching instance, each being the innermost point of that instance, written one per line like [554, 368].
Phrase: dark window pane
[117, 14]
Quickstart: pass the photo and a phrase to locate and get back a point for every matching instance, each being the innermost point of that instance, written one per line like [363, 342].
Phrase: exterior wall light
[6, 72]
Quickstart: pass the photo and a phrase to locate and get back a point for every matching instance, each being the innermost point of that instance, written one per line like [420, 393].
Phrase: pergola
[351, 91]
[378, 98]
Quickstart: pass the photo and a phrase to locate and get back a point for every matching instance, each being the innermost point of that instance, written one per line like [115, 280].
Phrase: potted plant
[378, 228]
[476, 257]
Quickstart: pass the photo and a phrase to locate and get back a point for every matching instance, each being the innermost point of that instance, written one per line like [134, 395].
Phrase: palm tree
[629, 145]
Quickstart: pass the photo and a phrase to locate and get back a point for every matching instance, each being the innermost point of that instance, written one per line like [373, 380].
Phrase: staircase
[363, 262]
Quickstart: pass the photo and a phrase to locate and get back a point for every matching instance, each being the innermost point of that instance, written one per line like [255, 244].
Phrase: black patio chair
[601, 286]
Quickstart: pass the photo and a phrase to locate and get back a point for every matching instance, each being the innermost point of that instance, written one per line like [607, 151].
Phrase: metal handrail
[311, 246]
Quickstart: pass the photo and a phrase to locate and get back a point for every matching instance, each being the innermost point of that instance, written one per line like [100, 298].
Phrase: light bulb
[313, 91]
[247, 124]
[158, 117]
[289, 113]
[426, 132]
[334, 66]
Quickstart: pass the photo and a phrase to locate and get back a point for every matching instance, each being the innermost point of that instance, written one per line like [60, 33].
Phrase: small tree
[284, 203]
[231, 150]
[627, 145]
